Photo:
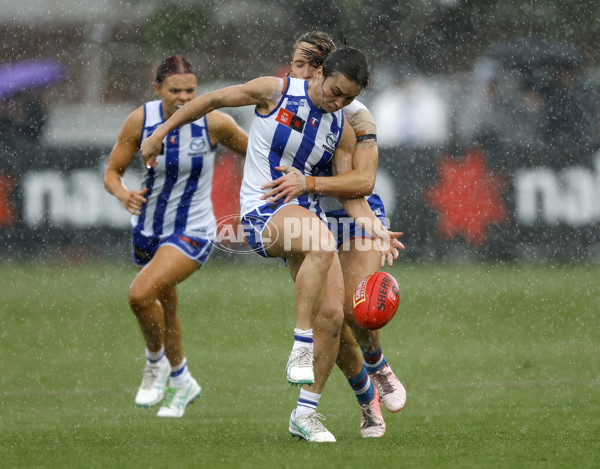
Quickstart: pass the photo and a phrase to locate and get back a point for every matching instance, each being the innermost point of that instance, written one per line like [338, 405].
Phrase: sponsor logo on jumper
[291, 120]
[197, 145]
[331, 140]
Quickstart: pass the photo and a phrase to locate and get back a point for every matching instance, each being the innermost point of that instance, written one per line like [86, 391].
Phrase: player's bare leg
[183, 388]
[153, 299]
[167, 268]
[326, 328]
[172, 326]
[304, 421]
[359, 258]
[349, 359]
[305, 240]
[301, 234]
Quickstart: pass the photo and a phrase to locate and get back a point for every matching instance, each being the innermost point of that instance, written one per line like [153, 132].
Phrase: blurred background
[487, 115]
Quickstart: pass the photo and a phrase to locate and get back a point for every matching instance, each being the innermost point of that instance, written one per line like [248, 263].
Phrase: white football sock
[307, 403]
[155, 357]
[180, 375]
[303, 339]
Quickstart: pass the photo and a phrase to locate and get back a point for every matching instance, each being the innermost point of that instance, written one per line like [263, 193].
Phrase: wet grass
[500, 363]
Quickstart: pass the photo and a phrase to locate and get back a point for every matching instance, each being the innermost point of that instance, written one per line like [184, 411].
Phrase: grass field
[501, 365]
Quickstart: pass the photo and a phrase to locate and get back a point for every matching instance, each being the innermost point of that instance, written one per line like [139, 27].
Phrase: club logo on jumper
[197, 145]
[291, 120]
[331, 141]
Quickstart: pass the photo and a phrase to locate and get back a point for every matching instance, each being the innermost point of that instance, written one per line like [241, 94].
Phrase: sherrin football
[376, 300]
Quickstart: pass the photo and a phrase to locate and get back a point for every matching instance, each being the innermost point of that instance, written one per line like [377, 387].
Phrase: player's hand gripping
[291, 184]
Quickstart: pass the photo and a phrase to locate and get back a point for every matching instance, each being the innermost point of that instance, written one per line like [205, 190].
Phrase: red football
[376, 300]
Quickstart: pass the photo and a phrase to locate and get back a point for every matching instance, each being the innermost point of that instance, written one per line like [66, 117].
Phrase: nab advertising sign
[448, 204]
[457, 203]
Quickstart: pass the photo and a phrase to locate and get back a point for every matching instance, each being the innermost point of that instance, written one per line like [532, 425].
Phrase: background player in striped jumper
[173, 224]
[310, 50]
[297, 123]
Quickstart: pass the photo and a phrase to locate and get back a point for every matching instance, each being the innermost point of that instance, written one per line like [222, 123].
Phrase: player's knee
[138, 298]
[327, 244]
[321, 257]
[338, 318]
[331, 315]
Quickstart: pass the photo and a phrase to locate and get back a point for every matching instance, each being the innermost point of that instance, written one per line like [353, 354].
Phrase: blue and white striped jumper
[295, 133]
[180, 186]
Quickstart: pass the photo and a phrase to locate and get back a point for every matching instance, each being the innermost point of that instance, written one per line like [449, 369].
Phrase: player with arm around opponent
[173, 224]
[358, 258]
[300, 124]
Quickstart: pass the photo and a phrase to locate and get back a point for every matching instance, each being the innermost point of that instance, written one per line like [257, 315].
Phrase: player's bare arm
[256, 92]
[358, 208]
[120, 159]
[223, 129]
